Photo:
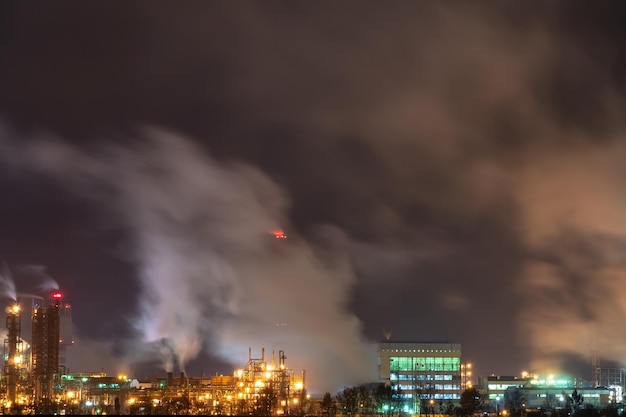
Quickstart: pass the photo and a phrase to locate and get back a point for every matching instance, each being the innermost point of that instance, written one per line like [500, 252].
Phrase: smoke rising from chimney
[211, 273]
[7, 286]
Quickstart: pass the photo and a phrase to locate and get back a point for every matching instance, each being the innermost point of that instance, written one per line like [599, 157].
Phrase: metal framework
[45, 349]
[12, 349]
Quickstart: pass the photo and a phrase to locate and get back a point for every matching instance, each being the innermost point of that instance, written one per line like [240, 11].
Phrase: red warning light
[57, 295]
[279, 234]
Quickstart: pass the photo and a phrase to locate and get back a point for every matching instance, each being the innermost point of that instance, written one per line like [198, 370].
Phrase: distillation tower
[12, 352]
[45, 347]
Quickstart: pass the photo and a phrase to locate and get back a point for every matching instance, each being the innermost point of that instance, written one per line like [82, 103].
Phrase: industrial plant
[31, 370]
[424, 378]
[36, 381]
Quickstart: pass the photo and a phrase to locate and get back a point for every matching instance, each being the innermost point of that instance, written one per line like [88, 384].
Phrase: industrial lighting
[14, 309]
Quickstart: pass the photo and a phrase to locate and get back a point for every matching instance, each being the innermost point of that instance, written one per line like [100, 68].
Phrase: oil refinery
[36, 381]
[259, 388]
[31, 370]
[416, 377]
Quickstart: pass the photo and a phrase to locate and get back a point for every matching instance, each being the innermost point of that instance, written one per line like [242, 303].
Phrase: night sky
[444, 172]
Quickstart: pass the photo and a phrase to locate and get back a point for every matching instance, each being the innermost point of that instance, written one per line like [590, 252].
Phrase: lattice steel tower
[45, 347]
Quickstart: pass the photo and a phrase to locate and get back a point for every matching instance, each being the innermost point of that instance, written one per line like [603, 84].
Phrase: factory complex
[420, 378]
[35, 379]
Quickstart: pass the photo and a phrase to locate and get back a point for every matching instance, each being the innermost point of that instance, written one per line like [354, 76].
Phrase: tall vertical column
[45, 347]
[13, 360]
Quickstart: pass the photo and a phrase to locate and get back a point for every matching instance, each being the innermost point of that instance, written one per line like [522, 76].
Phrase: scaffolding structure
[614, 379]
[270, 388]
[45, 350]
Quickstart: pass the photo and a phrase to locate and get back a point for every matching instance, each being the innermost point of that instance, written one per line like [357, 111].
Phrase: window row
[437, 387]
[400, 363]
[421, 377]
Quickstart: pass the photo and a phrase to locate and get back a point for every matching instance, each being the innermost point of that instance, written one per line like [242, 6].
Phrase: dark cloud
[463, 159]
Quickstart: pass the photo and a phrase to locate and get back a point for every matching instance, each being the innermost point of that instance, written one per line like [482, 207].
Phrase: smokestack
[262, 354]
[170, 379]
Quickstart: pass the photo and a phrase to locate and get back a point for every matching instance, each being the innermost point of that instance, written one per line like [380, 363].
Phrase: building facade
[535, 393]
[425, 377]
[66, 334]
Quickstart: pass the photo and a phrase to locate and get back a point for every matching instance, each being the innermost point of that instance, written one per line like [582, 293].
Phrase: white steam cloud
[7, 280]
[47, 283]
[7, 286]
[211, 273]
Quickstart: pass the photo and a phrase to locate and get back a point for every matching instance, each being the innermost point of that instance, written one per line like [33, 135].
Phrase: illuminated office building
[426, 377]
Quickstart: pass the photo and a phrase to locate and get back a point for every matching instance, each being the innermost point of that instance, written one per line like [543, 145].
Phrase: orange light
[279, 234]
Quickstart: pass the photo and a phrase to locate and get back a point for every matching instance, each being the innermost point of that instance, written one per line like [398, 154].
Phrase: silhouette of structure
[45, 347]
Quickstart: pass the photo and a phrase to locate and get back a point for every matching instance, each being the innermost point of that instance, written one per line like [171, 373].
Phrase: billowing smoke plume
[46, 282]
[30, 273]
[212, 274]
[577, 233]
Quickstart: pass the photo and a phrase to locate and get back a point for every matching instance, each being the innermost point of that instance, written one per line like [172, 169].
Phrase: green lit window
[422, 364]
